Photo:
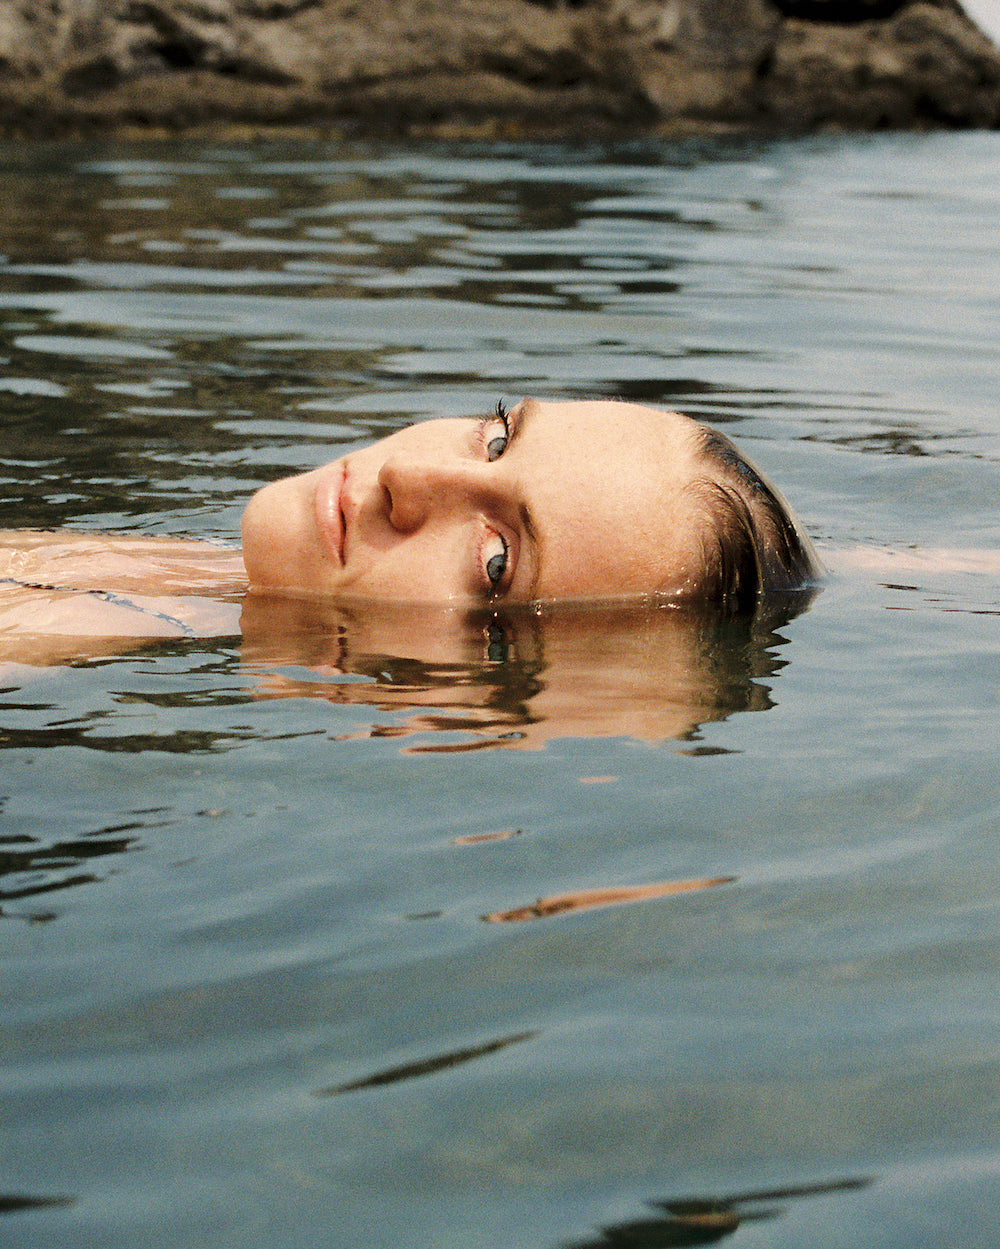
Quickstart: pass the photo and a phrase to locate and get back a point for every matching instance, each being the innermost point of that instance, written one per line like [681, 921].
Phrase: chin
[265, 539]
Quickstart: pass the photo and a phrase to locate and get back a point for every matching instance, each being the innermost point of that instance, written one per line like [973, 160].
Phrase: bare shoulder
[94, 561]
[68, 596]
[885, 561]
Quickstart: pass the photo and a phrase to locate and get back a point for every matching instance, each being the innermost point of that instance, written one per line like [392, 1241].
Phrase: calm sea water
[255, 987]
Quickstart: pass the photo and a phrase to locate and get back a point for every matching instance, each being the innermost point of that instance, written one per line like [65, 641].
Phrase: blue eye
[496, 444]
[496, 565]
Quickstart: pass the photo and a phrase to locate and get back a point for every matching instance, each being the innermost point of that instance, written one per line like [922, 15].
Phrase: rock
[924, 65]
[493, 66]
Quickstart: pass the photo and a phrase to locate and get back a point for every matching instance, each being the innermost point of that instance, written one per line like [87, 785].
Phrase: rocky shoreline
[493, 67]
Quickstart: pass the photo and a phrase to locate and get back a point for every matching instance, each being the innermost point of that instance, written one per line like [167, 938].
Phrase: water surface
[306, 932]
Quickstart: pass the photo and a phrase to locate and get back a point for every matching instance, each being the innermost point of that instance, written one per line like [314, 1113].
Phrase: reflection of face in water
[553, 501]
[516, 677]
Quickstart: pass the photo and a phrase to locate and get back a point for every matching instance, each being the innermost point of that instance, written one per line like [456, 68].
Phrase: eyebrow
[527, 410]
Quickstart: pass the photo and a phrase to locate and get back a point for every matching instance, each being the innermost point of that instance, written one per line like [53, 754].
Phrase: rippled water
[360, 932]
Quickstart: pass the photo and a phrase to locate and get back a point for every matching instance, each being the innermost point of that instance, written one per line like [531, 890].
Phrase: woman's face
[553, 501]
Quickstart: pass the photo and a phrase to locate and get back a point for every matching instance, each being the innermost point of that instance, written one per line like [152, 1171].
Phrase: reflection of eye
[497, 646]
[495, 555]
[496, 442]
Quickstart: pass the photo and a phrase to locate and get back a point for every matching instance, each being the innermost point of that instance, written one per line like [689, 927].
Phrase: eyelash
[498, 414]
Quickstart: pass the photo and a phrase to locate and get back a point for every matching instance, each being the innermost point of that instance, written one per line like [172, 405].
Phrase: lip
[329, 513]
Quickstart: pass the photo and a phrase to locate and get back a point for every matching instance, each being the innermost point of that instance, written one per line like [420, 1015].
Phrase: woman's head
[551, 501]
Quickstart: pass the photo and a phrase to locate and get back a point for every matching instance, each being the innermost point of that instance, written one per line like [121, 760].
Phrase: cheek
[426, 567]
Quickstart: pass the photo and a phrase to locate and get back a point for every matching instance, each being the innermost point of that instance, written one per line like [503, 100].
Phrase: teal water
[249, 994]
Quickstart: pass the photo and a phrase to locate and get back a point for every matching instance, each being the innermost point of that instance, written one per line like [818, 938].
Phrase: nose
[414, 491]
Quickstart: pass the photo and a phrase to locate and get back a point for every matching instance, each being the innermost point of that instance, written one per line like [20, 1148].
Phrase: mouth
[329, 512]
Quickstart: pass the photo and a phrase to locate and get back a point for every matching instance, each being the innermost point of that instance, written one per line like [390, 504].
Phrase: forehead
[607, 495]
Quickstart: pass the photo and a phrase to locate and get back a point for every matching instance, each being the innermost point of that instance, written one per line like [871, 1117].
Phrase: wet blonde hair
[752, 544]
